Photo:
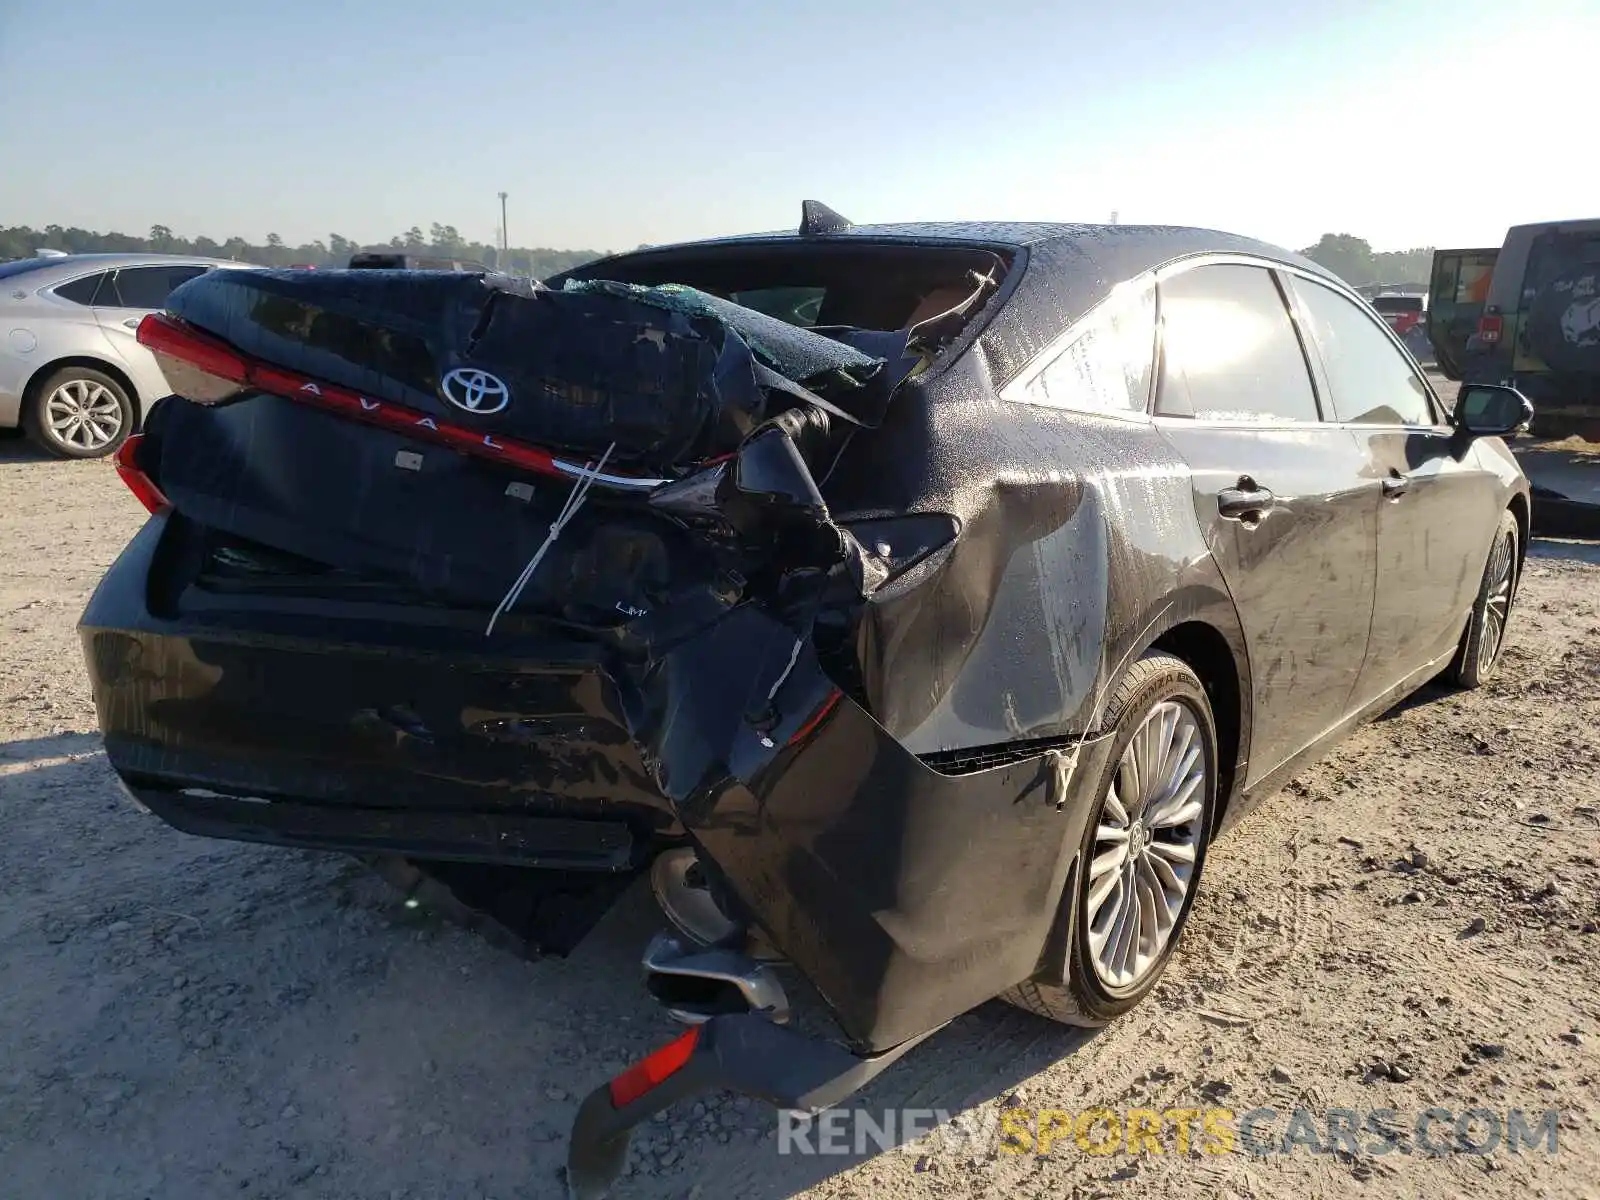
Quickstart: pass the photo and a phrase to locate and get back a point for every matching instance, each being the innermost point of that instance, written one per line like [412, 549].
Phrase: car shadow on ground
[383, 1024]
[1543, 548]
[1559, 548]
[14, 448]
[42, 750]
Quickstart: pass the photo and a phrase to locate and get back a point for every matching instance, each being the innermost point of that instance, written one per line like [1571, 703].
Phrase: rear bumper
[906, 895]
[741, 1053]
[549, 843]
[13, 380]
[329, 728]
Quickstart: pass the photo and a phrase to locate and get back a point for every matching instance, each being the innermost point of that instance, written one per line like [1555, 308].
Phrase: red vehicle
[1404, 313]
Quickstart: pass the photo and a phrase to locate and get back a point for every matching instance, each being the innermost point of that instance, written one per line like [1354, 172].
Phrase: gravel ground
[1409, 924]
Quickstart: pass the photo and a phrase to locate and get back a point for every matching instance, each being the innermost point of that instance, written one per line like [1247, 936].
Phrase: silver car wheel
[1146, 845]
[1497, 602]
[82, 414]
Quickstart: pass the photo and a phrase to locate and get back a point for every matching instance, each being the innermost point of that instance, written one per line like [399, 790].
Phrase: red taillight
[1490, 326]
[140, 484]
[653, 1071]
[163, 335]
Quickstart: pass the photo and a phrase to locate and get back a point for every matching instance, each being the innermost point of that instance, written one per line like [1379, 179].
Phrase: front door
[124, 299]
[1439, 508]
[1290, 518]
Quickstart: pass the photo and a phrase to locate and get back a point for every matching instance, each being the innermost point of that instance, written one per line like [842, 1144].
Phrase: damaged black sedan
[915, 603]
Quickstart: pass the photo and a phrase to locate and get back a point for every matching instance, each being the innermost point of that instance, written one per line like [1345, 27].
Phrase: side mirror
[1491, 410]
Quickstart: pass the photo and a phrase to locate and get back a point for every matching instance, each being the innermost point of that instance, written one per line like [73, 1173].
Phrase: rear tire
[1484, 637]
[1159, 693]
[78, 412]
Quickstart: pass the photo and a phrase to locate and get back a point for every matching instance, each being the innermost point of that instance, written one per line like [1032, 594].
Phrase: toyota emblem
[475, 391]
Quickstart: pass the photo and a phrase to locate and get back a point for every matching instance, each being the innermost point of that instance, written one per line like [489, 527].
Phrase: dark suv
[1527, 315]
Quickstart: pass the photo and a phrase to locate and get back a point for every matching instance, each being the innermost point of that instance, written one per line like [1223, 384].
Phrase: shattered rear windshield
[855, 284]
[798, 306]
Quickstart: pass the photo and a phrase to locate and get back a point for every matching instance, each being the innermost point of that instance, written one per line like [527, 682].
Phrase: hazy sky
[614, 122]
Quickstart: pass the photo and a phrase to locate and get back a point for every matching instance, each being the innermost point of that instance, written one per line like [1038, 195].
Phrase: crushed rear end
[447, 567]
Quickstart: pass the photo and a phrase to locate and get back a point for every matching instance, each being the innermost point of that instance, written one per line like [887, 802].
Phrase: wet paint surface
[847, 658]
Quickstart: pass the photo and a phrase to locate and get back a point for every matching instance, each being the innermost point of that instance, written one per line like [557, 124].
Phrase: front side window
[1371, 381]
[1229, 349]
[1106, 367]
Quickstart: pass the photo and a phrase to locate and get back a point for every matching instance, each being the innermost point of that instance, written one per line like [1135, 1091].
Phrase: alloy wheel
[83, 414]
[1497, 601]
[1146, 845]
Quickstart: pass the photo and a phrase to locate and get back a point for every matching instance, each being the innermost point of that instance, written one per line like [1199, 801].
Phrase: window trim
[110, 272]
[1015, 390]
[52, 289]
[1339, 288]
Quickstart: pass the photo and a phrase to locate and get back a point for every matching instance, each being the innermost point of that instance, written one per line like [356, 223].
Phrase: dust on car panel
[941, 609]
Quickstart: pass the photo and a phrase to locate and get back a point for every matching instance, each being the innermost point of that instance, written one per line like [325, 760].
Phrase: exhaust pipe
[695, 985]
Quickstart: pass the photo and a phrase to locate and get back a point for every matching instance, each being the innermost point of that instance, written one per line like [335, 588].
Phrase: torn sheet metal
[858, 653]
[666, 374]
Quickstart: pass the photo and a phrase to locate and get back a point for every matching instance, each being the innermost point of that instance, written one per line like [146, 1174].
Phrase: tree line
[1349, 257]
[441, 241]
[1357, 263]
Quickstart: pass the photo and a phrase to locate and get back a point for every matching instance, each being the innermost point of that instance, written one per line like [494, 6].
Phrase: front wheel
[1143, 850]
[1485, 634]
[78, 412]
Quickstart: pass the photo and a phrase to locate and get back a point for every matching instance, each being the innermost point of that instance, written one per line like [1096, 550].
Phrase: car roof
[1007, 234]
[1066, 268]
[73, 263]
[41, 274]
[1577, 224]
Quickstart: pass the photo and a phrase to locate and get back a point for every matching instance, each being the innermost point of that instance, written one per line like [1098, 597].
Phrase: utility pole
[505, 239]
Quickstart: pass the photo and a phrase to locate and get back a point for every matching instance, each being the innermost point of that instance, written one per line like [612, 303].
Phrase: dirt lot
[1410, 924]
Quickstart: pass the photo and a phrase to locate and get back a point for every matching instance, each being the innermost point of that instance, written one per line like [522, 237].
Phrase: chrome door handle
[1239, 504]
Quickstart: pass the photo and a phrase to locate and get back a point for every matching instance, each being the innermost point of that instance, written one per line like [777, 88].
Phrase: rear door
[1456, 296]
[125, 297]
[1289, 515]
[1439, 507]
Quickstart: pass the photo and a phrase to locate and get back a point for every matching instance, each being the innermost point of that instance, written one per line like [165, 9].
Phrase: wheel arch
[1200, 625]
[1209, 656]
[1519, 508]
[30, 393]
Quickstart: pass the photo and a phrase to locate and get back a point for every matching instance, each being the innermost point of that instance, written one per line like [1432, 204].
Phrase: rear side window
[1371, 381]
[149, 287]
[1106, 367]
[1229, 349]
[1556, 254]
[82, 291]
